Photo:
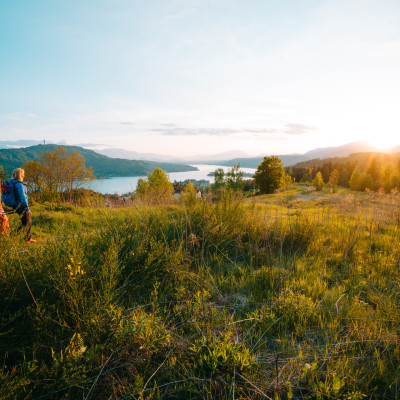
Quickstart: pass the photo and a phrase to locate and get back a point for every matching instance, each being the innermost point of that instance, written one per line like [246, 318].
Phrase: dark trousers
[26, 223]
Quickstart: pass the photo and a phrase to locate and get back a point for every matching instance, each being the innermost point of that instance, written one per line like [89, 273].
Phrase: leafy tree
[391, 182]
[354, 182]
[374, 169]
[395, 181]
[3, 175]
[269, 174]
[318, 182]
[157, 188]
[142, 187]
[58, 171]
[360, 180]
[188, 196]
[334, 180]
[34, 175]
[307, 175]
[234, 178]
[344, 177]
[287, 182]
[249, 185]
[219, 179]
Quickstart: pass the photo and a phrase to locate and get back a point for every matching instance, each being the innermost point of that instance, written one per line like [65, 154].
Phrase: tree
[391, 182]
[334, 179]
[58, 171]
[142, 187]
[344, 177]
[307, 175]
[354, 182]
[188, 196]
[34, 175]
[269, 174]
[3, 175]
[219, 179]
[318, 182]
[360, 180]
[157, 188]
[234, 178]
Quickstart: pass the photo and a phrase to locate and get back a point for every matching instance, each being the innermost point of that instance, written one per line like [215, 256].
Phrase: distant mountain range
[235, 156]
[12, 144]
[319, 153]
[145, 162]
[103, 166]
[133, 155]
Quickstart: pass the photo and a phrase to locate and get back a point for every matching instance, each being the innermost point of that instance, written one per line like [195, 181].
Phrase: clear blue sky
[186, 77]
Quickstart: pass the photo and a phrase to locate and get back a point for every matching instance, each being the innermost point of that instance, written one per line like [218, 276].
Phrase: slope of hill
[360, 158]
[202, 159]
[292, 159]
[103, 166]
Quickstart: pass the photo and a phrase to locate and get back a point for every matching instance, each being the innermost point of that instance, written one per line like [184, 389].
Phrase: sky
[189, 77]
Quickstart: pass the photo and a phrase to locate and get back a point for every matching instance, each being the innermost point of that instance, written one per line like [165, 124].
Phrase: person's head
[18, 174]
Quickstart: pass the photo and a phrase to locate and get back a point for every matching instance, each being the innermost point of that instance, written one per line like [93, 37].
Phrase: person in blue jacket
[22, 209]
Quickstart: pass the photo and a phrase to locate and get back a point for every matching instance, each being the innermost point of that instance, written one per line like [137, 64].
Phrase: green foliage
[225, 299]
[219, 356]
[103, 166]
[318, 182]
[360, 180]
[234, 178]
[269, 174]
[157, 188]
[3, 174]
[334, 180]
[189, 195]
[219, 179]
[58, 172]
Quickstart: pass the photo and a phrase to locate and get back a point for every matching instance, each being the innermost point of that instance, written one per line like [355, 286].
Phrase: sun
[382, 142]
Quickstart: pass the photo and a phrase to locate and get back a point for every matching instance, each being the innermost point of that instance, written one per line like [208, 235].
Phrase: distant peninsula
[103, 166]
[245, 174]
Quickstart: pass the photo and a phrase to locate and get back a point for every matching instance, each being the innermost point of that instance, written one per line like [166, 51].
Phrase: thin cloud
[169, 125]
[288, 129]
[298, 129]
[179, 131]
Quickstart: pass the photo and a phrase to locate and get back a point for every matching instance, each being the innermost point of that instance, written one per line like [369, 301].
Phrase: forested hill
[253, 162]
[103, 166]
[360, 159]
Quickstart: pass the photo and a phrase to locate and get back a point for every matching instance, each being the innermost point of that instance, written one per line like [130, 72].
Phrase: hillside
[103, 166]
[360, 158]
[295, 294]
[293, 159]
[253, 162]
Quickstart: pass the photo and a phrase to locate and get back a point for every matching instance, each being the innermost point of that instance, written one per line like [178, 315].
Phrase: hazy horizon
[236, 153]
[190, 77]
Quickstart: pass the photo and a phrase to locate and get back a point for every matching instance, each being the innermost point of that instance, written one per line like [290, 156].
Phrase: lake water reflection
[121, 185]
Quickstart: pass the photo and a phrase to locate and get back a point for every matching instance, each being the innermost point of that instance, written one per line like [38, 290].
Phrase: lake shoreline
[123, 185]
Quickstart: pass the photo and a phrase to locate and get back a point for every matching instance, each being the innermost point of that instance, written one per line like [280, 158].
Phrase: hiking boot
[31, 241]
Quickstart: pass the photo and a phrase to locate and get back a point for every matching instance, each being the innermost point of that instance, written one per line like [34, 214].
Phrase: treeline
[56, 175]
[372, 171]
[103, 166]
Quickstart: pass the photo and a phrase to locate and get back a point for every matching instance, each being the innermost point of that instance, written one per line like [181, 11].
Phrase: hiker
[22, 209]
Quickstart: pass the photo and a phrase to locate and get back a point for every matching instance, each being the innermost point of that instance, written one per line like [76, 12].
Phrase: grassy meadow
[294, 295]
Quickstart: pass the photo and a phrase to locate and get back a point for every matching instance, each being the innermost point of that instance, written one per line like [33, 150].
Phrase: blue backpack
[9, 194]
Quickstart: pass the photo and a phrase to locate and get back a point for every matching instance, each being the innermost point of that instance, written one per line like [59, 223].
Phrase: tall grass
[281, 298]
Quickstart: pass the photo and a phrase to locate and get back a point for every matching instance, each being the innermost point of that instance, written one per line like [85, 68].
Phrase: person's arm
[23, 197]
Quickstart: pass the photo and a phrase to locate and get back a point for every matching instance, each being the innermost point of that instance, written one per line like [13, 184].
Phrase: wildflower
[76, 269]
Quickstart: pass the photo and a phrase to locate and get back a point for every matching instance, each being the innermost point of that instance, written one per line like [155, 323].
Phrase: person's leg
[26, 224]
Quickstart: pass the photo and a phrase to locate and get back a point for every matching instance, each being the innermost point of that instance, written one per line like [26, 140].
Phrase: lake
[121, 185]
